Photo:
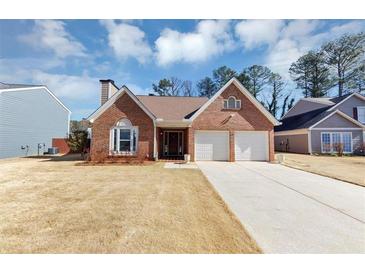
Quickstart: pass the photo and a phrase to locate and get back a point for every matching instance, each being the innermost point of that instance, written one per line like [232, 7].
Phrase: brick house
[232, 125]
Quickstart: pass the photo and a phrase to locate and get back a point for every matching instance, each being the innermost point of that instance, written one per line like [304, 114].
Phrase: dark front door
[173, 143]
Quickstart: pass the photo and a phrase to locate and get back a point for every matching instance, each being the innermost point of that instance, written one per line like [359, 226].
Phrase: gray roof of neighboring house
[307, 119]
[323, 100]
[338, 99]
[10, 86]
[303, 120]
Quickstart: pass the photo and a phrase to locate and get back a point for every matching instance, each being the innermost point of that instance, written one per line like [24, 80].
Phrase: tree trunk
[340, 80]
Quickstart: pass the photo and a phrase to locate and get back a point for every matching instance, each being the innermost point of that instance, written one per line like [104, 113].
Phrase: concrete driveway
[291, 211]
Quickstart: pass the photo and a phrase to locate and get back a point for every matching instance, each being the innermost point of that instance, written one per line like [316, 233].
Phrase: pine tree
[344, 55]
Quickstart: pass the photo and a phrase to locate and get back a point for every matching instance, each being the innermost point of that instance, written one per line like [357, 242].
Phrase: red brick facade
[61, 144]
[214, 117]
[124, 107]
[249, 117]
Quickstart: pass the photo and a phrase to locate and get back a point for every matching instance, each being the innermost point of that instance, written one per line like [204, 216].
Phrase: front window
[331, 142]
[124, 138]
[232, 103]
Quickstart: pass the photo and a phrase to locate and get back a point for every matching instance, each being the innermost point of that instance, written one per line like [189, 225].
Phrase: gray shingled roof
[303, 120]
[307, 119]
[322, 100]
[338, 99]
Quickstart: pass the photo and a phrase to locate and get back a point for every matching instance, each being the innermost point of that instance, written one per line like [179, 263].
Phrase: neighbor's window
[124, 138]
[331, 141]
[361, 114]
[232, 103]
[326, 142]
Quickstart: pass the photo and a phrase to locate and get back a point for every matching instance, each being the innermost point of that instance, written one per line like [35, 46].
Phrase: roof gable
[305, 105]
[335, 120]
[115, 97]
[29, 87]
[340, 100]
[331, 114]
[311, 119]
[246, 93]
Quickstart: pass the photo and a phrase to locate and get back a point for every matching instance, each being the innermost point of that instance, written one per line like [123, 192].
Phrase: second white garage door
[211, 145]
[251, 145]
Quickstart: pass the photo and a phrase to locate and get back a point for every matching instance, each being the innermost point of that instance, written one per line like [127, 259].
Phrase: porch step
[172, 159]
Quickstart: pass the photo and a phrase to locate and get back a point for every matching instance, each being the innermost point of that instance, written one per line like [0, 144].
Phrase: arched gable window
[232, 103]
[124, 138]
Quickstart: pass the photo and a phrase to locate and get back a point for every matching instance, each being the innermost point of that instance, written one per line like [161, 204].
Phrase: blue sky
[70, 56]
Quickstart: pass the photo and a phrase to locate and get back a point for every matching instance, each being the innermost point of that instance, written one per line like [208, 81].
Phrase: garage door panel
[251, 145]
[211, 145]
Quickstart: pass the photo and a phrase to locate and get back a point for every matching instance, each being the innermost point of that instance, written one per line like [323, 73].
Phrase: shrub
[362, 149]
[77, 141]
[339, 149]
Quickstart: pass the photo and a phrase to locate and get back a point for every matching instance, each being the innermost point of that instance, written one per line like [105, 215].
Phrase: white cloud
[17, 70]
[210, 38]
[282, 54]
[294, 39]
[254, 33]
[52, 35]
[297, 37]
[350, 27]
[70, 87]
[127, 41]
[299, 28]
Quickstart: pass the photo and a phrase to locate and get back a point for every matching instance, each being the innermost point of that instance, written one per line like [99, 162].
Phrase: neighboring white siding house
[30, 116]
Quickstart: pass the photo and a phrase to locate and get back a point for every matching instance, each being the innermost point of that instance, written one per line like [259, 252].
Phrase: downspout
[68, 124]
[155, 155]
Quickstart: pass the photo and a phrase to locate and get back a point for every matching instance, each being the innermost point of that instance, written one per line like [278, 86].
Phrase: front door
[173, 143]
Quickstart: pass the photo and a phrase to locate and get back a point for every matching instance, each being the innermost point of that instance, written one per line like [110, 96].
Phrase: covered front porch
[172, 143]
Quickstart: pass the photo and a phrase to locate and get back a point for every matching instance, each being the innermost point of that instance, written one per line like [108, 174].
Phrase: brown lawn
[347, 168]
[59, 207]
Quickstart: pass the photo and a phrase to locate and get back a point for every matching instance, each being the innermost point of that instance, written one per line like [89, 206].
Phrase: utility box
[53, 150]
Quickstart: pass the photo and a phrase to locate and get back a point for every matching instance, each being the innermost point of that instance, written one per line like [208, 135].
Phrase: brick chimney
[108, 89]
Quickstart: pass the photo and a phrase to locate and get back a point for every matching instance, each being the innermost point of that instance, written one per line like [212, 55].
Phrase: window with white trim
[361, 114]
[231, 103]
[331, 142]
[326, 142]
[123, 138]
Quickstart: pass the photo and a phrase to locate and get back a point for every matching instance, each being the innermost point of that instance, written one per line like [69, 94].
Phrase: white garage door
[211, 145]
[251, 145]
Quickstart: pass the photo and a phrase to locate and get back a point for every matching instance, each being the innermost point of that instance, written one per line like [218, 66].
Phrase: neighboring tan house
[30, 117]
[232, 125]
[323, 125]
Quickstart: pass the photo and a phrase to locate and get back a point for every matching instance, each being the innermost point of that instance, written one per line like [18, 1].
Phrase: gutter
[173, 123]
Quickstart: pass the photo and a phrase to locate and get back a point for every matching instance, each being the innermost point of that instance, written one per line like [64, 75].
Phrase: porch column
[271, 146]
[190, 139]
[231, 146]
